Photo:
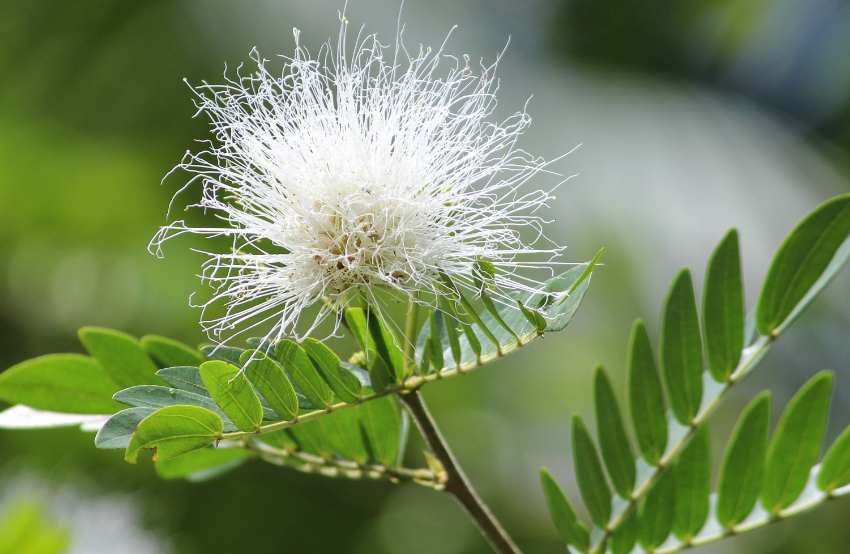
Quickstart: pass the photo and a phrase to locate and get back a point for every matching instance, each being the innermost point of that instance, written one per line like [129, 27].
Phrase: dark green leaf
[173, 431]
[381, 420]
[233, 393]
[693, 486]
[386, 346]
[272, 383]
[497, 317]
[343, 430]
[312, 439]
[381, 374]
[472, 339]
[533, 317]
[184, 377]
[801, 259]
[451, 325]
[646, 401]
[723, 309]
[589, 474]
[625, 537]
[120, 355]
[658, 511]
[202, 464]
[227, 354]
[279, 439]
[681, 349]
[835, 469]
[743, 464]
[170, 353]
[118, 429]
[295, 360]
[796, 444]
[437, 360]
[66, 383]
[343, 383]
[572, 530]
[613, 440]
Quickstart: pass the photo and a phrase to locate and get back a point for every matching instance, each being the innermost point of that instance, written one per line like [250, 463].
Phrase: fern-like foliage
[661, 501]
[206, 411]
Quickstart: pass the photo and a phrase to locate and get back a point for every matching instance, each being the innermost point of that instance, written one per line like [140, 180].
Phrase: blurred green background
[693, 117]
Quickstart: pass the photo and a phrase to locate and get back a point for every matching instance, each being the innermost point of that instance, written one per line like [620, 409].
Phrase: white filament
[353, 173]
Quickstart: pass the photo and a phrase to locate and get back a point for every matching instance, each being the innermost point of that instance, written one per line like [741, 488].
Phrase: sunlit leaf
[342, 382]
[120, 355]
[233, 393]
[295, 360]
[66, 383]
[272, 382]
[173, 431]
[171, 353]
[835, 469]
[118, 429]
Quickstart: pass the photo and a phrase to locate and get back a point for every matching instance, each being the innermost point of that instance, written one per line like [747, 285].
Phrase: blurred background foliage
[693, 117]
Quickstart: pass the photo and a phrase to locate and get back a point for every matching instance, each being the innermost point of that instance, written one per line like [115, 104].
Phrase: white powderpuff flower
[351, 173]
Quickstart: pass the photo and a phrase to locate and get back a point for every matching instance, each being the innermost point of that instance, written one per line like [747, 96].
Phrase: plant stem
[457, 484]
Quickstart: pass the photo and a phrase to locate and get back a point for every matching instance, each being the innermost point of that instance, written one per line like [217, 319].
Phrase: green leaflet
[342, 381]
[118, 429]
[589, 474]
[658, 511]
[626, 536]
[272, 382]
[171, 353]
[156, 397]
[435, 340]
[563, 515]
[202, 464]
[796, 444]
[228, 354]
[279, 439]
[120, 355]
[743, 464]
[723, 308]
[835, 469]
[382, 422]
[184, 377]
[450, 321]
[646, 400]
[681, 349]
[67, 383]
[233, 393]
[312, 439]
[343, 431]
[387, 348]
[381, 372]
[693, 486]
[613, 440]
[533, 316]
[173, 431]
[801, 260]
[295, 360]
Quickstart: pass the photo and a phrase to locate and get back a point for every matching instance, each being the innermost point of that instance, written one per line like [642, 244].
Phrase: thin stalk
[456, 482]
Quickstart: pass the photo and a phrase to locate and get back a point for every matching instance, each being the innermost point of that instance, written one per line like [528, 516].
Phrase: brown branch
[456, 483]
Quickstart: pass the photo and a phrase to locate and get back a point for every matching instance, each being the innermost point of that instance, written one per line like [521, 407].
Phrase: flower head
[354, 172]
